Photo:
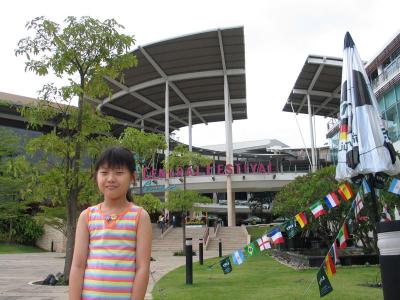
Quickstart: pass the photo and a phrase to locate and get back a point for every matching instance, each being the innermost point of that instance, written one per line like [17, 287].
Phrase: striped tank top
[111, 262]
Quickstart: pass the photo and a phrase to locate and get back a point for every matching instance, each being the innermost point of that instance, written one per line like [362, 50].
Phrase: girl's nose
[110, 177]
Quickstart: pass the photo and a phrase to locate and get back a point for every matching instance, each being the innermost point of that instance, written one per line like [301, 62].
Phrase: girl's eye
[120, 172]
[103, 173]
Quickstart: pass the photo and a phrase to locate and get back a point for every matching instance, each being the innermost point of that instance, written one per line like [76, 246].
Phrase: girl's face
[114, 182]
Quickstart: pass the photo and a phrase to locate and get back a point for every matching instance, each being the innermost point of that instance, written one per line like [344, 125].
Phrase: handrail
[206, 237]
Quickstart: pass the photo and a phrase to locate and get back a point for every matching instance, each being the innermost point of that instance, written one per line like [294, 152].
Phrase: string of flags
[275, 237]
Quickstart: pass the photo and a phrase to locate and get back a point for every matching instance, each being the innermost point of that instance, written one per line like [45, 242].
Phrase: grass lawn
[15, 248]
[261, 277]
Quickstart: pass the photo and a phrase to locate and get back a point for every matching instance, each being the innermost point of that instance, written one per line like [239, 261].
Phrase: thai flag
[276, 236]
[332, 200]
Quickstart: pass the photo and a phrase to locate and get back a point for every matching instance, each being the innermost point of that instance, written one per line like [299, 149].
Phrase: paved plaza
[17, 271]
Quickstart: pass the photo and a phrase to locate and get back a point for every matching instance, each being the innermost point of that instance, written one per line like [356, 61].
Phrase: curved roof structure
[320, 78]
[194, 67]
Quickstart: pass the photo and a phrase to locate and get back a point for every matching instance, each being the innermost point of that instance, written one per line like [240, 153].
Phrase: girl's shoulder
[135, 207]
[93, 208]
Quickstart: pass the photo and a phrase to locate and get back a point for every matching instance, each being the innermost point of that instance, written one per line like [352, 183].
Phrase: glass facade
[389, 105]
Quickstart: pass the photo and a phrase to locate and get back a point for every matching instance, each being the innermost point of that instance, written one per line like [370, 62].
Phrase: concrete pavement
[17, 271]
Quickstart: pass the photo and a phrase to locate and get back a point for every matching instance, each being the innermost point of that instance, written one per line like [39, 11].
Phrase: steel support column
[166, 111]
[313, 160]
[190, 127]
[229, 155]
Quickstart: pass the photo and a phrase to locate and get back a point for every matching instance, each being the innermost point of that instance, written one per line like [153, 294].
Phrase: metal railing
[206, 237]
[389, 72]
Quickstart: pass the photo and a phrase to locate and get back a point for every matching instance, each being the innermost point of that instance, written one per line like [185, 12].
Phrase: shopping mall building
[199, 79]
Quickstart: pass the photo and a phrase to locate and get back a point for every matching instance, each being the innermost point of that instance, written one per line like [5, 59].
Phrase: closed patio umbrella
[364, 144]
[366, 150]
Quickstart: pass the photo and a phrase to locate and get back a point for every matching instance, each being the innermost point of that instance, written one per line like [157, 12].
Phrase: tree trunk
[72, 204]
[71, 230]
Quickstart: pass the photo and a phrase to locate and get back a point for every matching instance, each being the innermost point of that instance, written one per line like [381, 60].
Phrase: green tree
[149, 202]
[14, 175]
[181, 201]
[301, 193]
[145, 145]
[83, 52]
[182, 157]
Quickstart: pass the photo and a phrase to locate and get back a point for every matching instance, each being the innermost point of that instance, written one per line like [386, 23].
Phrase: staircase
[232, 238]
[173, 240]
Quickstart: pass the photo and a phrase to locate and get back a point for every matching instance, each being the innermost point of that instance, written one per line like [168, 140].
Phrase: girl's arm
[79, 259]
[143, 252]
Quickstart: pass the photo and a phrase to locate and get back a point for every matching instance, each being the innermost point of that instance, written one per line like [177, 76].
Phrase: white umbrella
[364, 144]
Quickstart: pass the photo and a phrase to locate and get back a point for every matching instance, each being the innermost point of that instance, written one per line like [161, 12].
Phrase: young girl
[113, 239]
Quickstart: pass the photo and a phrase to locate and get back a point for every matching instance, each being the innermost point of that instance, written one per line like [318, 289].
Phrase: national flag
[238, 257]
[290, 228]
[329, 265]
[276, 236]
[358, 204]
[226, 265]
[345, 191]
[251, 249]
[317, 209]
[301, 219]
[332, 200]
[396, 213]
[366, 187]
[334, 253]
[395, 186]
[264, 243]
[324, 285]
[343, 236]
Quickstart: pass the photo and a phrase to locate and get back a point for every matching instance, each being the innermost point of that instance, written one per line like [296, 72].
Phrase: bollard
[52, 246]
[201, 251]
[189, 261]
[220, 248]
[389, 258]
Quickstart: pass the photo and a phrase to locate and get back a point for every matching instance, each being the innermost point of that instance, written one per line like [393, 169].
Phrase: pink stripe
[122, 238]
[116, 268]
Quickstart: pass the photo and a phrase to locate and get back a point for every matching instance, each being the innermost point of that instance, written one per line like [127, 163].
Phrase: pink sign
[220, 169]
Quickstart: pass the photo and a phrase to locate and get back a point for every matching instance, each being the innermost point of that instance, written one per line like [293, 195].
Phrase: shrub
[27, 230]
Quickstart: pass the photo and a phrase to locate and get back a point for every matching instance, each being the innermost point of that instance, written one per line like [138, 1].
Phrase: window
[381, 102]
[390, 98]
[398, 92]
[392, 123]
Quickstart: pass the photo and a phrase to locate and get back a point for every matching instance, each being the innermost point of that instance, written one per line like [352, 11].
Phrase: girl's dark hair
[116, 157]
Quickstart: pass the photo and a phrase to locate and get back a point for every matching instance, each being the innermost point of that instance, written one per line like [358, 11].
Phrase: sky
[279, 35]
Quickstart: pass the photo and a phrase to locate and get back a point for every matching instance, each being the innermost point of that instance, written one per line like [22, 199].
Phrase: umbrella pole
[375, 212]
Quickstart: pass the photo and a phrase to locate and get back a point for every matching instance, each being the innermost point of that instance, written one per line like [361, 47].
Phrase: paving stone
[19, 270]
